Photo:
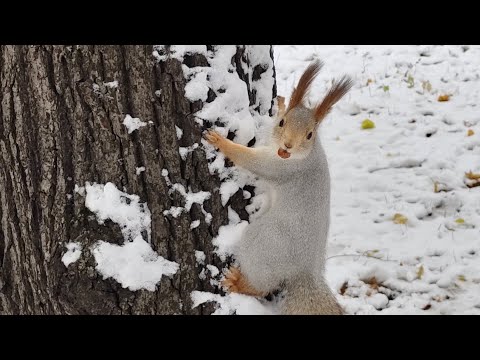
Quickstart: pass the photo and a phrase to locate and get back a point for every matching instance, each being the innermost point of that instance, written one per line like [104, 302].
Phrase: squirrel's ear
[281, 106]
[304, 84]
[338, 90]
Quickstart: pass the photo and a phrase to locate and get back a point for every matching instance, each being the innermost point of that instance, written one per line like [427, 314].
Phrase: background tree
[61, 125]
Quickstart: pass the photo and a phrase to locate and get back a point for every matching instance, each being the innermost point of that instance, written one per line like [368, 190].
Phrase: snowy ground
[413, 163]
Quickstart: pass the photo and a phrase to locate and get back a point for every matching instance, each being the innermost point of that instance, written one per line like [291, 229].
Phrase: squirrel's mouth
[284, 154]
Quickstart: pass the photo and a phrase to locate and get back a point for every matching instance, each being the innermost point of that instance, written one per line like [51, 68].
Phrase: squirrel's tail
[305, 296]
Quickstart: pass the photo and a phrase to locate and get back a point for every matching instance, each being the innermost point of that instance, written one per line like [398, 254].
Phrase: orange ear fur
[299, 93]
[338, 90]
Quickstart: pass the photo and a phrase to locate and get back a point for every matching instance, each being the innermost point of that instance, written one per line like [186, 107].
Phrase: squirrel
[285, 248]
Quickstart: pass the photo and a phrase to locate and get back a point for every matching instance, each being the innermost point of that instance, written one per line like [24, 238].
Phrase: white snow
[134, 264]
[175, 211]
[190, 198]
[200, 257]
[233, 217]
[73, 253]
[194, 224]
[213, 270]
[79, 190]
[179, 132]
[184, 151]
[228, 189]
[227, 238]
[107, 202]
[133, 124]
[232, 303]
[196, 88]
[139, 170]
[111, 84]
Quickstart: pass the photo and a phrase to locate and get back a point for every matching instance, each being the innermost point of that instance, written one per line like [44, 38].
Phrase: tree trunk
[61, 126]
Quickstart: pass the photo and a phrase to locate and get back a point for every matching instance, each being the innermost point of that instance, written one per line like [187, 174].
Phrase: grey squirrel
[286, 246]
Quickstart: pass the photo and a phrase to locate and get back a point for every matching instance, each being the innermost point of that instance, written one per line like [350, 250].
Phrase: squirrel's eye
[281, 123]
[309, 136]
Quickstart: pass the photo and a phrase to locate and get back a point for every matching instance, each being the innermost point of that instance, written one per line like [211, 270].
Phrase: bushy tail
[305, 296]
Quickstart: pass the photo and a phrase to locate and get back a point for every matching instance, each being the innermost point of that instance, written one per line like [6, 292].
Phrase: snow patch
[74, 251]
[190, 197]
[194, 224]
[227, 238]
[232, 303]
[184, 151]
[107, 202]
[200, 257]
[133, 124]
[179, 132]
[111, 84]
[134, 265]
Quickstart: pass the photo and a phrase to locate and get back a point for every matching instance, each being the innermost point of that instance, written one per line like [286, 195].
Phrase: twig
[360, 255]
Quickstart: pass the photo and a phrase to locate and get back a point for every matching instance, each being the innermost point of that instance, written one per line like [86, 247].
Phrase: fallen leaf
[369, 81]
[475, 179]
[386, 88]
[400, 219]
[410, 81]
[443, 98]
[420, 272]
[470, 175]
[462, 278]
[460, 221]
[367, 124]
[373, 283]
[426, 85]
[470, 132]
[427, 307]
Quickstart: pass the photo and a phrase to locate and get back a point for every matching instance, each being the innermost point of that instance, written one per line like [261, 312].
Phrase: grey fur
[287, 244]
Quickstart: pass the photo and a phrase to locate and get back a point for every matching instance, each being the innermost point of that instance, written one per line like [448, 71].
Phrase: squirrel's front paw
[215, 138]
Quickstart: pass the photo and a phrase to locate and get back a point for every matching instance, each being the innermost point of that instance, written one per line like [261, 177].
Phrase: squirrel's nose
[288, 145]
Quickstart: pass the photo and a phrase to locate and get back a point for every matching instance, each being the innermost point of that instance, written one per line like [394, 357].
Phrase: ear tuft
[281, 106]
[299, 93]
[338, 90]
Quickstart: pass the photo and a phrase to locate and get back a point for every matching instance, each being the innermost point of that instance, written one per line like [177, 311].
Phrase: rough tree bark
[56, 130]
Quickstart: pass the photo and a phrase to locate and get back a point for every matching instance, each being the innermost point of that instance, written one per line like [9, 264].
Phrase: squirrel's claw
[212, 137]
[235, 282]
[231, 278]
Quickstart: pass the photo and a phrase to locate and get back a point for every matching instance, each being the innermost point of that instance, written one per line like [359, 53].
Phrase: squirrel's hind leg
[236, 282]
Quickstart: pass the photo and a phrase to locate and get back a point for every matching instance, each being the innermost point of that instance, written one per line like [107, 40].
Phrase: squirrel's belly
[288, 239]
[279, 243]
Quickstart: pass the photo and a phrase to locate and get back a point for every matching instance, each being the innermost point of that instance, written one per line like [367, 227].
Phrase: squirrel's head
[296, 128]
